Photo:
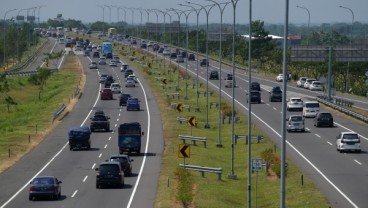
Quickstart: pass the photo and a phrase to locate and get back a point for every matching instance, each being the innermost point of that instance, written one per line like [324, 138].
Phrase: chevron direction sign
[184, 150]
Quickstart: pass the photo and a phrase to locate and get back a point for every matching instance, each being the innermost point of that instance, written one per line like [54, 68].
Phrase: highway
[76, 168]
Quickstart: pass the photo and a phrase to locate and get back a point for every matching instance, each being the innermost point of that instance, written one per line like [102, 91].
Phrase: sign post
[256, 166]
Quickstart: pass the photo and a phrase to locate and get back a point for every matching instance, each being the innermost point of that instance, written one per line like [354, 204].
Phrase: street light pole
[351, 37]
[109, 6]
[308, 21]
[39, 7]
[103, 17]
[155, 11]
[5, 34]
[197, 11]
[140, 30]
[207, 125]
[219, 144]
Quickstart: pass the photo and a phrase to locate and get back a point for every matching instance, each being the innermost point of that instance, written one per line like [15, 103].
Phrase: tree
[4, 89]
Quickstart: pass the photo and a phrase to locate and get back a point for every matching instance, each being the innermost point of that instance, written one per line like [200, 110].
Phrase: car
[132, 76]
[128, 72]
[255, 86]
[102, 78]
[294, 103]
[102, 61]
[161, 50]
[255, 96]
[184, 54]
[307, 83]
[108, 81]
[229, 83]
[166, 52]
[275, 94]
[310, 108]
[124, 66]
[323, 119]
[112, 63]
[99, 112]
[143, 45]
[87, 53]
[295, 123]
[191, 57]
[116, 59]
[96, 54]
[133, 104]
[106, 94]
[115, 88]
[100, 122]
[45, 186]
[109, 174]
[280, 78]
[123, 98]
[179, 59]
[348, 141]
[130, 82]
[93, 65]
[214, 75]
[125, 163]
[204, 62]
[173, 55]
[229, 76]
[301, 81]
[316, 86]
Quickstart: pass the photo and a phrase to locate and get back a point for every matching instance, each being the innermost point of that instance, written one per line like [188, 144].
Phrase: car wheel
[88, 147]
[316, 124]
[31, 198]
[97, 186]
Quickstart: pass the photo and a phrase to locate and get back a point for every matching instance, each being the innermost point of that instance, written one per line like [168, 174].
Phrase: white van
[115, 88]
[310, 108]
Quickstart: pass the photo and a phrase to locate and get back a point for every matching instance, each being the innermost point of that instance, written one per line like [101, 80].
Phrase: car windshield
[296, 118]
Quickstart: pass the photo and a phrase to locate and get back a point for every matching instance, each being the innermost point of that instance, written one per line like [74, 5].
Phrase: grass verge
[29, 122]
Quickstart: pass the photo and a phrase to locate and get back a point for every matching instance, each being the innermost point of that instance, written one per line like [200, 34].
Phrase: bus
[106, 49]
[59, 31]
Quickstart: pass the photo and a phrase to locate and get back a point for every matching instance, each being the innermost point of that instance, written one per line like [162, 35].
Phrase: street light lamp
[308, 21]
[351, 37]
[207, 125]
[5, 33]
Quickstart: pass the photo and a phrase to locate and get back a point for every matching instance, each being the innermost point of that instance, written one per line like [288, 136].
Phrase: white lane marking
[274, 108]
[307, 129]
[85, 178]
[75, 192]
[358, 162]
[146, 149]
[99, 156]
[116, 125]
[117, 119]
[268, 104]
[329, 143]
[317, 135]
[119, 114]
[105, 146]
[109, 138]
[93, 166]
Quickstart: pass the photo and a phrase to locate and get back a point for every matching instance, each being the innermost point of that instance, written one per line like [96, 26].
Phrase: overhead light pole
[197, 11]
[351, 37]
[155, 11]
[308, 20]
[18, 50]
[109, 6]
[124, 17]
[207, 125]
[39, 7]
[5, 35]
[164, 14]
[219, 144]
[103, 17]
[140, 30]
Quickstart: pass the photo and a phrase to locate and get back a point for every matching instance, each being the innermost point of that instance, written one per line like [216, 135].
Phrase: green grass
[208, 191]
[20, 123]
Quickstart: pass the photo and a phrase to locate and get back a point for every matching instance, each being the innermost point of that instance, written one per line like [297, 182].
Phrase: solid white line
[358, 162]
[85, 178]
[75, 192]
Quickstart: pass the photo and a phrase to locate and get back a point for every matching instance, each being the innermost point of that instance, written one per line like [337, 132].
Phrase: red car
[106, 94]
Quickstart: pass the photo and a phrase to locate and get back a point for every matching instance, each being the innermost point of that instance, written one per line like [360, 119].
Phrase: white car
[294, 103]
[166, 52]
[130, 83]
[301, 81]
[348, 141]
[132, 76]
[295, 123]
[112, 63]
[280, 78]
[124, 67]
[308, 82]
[315, 85]
[115, 88]
[310, 108]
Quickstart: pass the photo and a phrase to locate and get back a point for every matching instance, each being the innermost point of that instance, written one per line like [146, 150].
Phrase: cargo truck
[79, 137]
[129, 139]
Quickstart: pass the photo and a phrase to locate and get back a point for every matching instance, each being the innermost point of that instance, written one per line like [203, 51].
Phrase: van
[109, 173]
[310, 109]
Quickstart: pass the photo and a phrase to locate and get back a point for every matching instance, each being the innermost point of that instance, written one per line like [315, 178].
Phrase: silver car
[348, 141]
[295, 123]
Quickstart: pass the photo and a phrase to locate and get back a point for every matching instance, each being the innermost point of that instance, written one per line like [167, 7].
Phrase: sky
[269, 11]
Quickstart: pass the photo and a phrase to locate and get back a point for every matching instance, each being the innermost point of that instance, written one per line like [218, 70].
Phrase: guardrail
[324, 100]
[58, 112]
[203, 169]
[173, 94]
[193, 139]
[181, 119]
[245, 137]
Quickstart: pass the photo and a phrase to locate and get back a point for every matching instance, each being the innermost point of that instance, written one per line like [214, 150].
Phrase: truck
[129, 138]
[79, 137]
[111, 32]
[106, 49]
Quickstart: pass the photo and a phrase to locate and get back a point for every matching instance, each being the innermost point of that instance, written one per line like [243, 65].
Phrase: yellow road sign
[184, 151]
[164, 81]
[192, 121]
[179, 107]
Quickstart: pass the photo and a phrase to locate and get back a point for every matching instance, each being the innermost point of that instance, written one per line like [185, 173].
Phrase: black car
[123, 99]
[96, 54]
[173, 55]
[204, 62]
[100, 122]
[323, 119]
[255, 97]
[275, 94]
[214, 75]
[109, 80]
[109, 174]
[45, 186]
[184, 54]
[160, 50]
[255, 86]
[229, 76]
[128, 72]
[191, 57]
[125, 163]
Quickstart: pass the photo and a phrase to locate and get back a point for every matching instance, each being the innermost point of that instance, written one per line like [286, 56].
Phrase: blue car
[133, 104]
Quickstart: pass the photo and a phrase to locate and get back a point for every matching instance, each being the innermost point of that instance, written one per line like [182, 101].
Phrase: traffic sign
[164, 81]
[257, 164]
[179, 107]
[192, 121]
[184, 151]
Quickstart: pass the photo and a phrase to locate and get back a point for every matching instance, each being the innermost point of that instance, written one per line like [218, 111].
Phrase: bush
[185, 183]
